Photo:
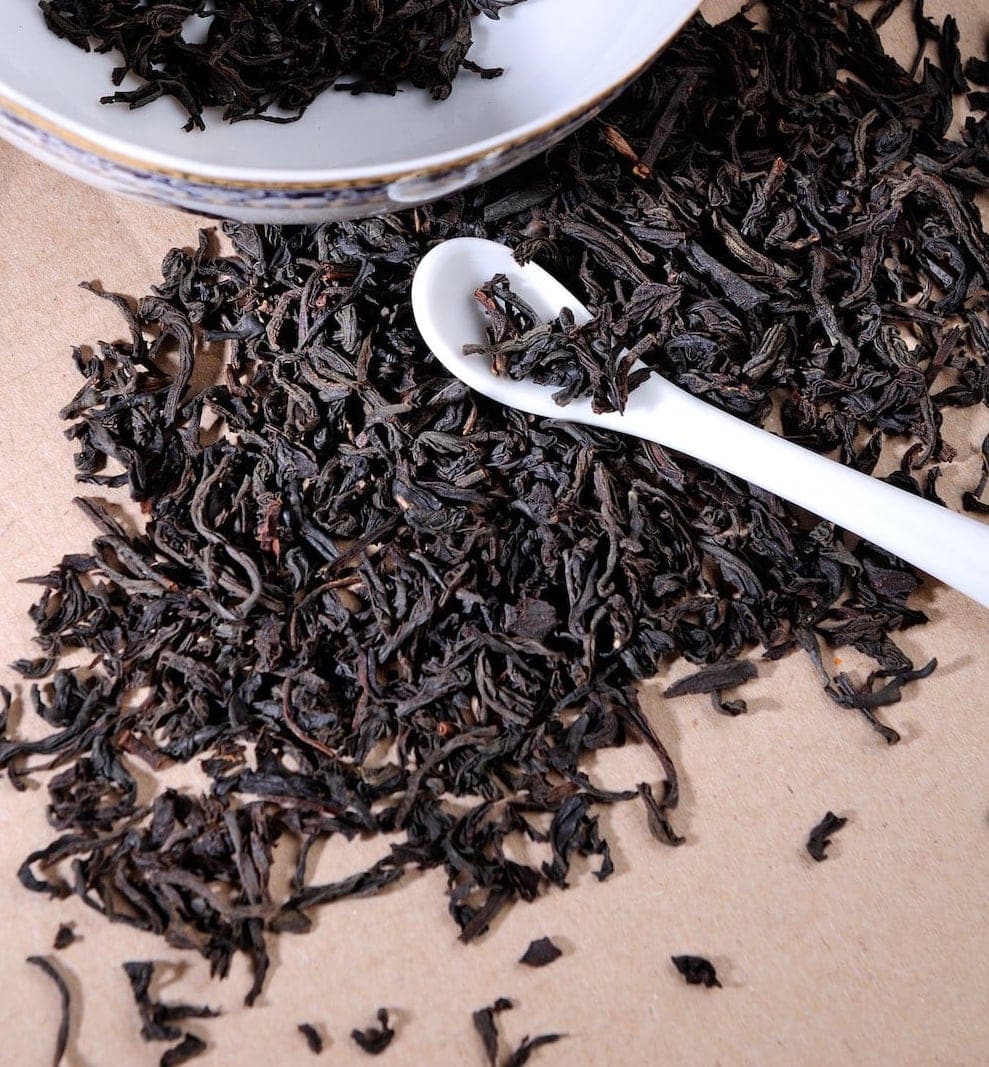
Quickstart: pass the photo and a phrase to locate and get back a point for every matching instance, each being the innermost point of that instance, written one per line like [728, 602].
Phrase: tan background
[878, 956]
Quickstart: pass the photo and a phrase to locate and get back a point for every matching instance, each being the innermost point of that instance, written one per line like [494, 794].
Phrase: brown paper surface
[878, 956]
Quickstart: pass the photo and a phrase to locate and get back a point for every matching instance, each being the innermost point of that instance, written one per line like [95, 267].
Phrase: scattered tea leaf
[65, 936]
[487, 1027]
[313, 1037]
[656, 814]
[820, 836]
[714, 678]
[375, 1040]
[157, 1018]
[62, 1037]
[187, 1049]
[525, 1050]
[540, 953]
[697, 970]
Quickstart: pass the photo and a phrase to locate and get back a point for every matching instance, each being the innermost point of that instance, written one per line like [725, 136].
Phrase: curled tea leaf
[820, 836]
[528, 1046]
[65, 998]
[375, 1039]
[158, 1018]
[313, 1037]
[487, 1028]
[189, 1048]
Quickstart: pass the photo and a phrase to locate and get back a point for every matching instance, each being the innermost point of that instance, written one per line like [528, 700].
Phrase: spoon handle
[948, 546]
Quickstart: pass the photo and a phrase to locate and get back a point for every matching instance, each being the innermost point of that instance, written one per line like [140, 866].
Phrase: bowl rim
[118, 152]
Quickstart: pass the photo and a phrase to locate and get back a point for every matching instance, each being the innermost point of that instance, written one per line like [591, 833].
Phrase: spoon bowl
[456, 268]
[948, 546]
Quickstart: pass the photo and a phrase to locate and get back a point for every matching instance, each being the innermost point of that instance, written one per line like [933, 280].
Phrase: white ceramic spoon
[946, 545]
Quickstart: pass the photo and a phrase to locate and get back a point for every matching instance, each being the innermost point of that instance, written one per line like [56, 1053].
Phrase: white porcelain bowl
[348, 156]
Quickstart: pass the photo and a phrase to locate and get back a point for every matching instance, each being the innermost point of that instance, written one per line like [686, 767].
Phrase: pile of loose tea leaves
[370, 603]
[270, 59]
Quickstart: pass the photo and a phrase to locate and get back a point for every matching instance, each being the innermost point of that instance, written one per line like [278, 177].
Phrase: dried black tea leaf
[658, 820]
[697, 970]
[313, 1037]
[370, 604]
[65, 936]
[157, 1018]
[375, 1039]
[820, 836]
[731, 708]
[487, 1027]
[270, 59]
[977, 71]
[714, 678]
[527, 1047]
[867, 698]
[65, 1019]
[951, 57]
[187, 1049]
[576, 360]
[540, 953]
